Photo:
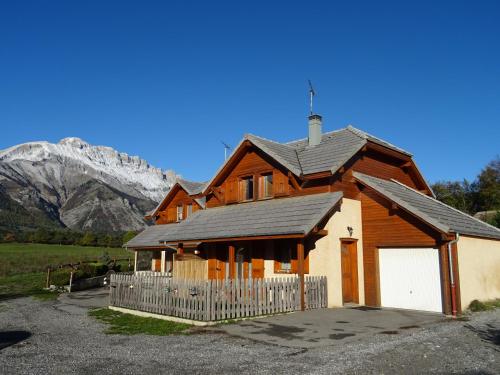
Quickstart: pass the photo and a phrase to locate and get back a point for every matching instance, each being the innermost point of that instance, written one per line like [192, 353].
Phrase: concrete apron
[325, 327]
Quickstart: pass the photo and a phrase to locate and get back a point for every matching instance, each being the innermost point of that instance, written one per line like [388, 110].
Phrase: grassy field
[23, 266]
[127, 324]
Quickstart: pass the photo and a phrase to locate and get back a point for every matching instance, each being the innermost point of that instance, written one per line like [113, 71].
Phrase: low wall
[83, 284]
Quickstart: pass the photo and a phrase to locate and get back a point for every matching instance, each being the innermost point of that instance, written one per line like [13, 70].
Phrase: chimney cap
[315, 117]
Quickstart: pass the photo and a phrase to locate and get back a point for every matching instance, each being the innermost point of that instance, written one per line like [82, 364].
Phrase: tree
[41, 235]
[129, 235]
[488, 186]
[461, 195]
[88, 239]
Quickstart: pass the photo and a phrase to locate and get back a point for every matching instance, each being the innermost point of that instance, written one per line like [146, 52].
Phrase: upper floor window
[266, 185]
[246, 188]
[189, 210]
[179, 213]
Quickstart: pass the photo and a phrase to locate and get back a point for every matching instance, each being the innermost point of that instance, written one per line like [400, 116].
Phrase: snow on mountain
[152, 182]
[82, 186]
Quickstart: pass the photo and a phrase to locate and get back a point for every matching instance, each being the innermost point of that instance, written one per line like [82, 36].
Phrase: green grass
[23, 267]
[28, 258]
[476, 305]
[127, 324]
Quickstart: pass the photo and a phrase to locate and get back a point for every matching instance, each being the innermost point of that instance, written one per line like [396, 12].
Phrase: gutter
[452, 276]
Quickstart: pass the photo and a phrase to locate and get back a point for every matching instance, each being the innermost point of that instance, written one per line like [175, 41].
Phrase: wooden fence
[214, 300]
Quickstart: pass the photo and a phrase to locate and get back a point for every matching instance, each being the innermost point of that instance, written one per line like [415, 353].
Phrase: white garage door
[410, 279]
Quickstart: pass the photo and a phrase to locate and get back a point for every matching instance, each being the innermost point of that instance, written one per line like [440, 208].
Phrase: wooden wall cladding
[386, 227]
[168, 214]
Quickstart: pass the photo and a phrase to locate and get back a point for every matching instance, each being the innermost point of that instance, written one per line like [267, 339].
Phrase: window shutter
[280, 184]
[231, 190]
[171, 214]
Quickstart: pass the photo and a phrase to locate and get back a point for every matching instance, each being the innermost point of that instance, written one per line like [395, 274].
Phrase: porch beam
[232, 268]
[300, 259]
[270, 237]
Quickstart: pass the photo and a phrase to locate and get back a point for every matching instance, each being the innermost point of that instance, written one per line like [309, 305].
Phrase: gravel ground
[46, 338]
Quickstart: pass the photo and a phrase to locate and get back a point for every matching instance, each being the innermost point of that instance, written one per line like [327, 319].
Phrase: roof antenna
[312, 93]
[226, 149]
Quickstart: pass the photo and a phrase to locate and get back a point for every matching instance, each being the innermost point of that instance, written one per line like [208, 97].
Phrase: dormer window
[246, 188]
[266, 186]
[189, 210]
[179, 213]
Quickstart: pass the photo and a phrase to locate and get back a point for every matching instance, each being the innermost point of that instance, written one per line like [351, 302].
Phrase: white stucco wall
[479, 269]
[324, 259]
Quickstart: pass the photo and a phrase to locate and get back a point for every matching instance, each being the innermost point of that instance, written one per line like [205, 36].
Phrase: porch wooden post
[162, 265]
[300, 261]
[135, 261]
[232, 265]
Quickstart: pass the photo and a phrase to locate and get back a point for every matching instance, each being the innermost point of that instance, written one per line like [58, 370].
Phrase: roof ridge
[370, 137]
[278, 158]
[269, 140]
[443, 204]
[305, 138]
[360, 133]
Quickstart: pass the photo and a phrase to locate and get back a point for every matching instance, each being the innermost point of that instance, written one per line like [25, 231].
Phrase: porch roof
[273, 217]
[150, 237]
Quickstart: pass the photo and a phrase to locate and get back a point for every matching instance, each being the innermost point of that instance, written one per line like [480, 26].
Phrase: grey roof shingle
[282, 153]
[434, 212]
[150, 237]
[191, 187]
[335, 149]
[297, 215]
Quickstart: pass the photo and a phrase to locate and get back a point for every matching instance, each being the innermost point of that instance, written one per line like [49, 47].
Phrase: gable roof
[335, 149]
[439, 215]
[273, 217]
[190, 187]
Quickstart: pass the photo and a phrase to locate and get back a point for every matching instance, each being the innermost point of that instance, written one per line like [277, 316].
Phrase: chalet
[343, 204]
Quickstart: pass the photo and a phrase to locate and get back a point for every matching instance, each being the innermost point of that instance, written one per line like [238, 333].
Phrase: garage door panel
[410, 278]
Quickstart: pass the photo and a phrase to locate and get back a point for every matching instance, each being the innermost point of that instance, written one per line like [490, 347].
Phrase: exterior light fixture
[196, 252]
[350, 230]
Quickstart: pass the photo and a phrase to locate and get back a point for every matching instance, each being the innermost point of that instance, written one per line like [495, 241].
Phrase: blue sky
[169, 80]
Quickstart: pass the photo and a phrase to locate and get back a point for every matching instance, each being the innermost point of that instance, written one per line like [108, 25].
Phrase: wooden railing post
[300, 261]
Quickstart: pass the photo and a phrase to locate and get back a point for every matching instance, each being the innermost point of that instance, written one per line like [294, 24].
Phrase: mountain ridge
[81, 186]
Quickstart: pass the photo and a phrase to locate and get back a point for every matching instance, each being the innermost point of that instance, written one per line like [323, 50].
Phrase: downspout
[452, 276]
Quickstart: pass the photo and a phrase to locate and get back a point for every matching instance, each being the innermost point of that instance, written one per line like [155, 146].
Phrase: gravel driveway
[50, 338]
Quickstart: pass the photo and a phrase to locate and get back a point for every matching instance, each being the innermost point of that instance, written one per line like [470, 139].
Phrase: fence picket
[213, 300]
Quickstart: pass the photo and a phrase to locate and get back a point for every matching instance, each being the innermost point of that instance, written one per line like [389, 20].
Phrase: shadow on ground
[487, 333]
[9, 338]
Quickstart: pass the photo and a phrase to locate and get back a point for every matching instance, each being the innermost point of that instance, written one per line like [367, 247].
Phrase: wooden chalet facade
[348, 206]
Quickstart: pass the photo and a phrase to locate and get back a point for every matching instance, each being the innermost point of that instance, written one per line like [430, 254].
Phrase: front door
[349, 264]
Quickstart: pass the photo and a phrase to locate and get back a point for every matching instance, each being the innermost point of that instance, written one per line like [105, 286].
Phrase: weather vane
[312, 93]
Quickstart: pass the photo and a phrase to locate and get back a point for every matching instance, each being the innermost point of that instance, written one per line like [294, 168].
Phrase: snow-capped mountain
[81, 186]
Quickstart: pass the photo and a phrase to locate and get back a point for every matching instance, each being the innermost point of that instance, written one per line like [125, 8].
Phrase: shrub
[60, 277]
[91, 270]
[476, 306]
